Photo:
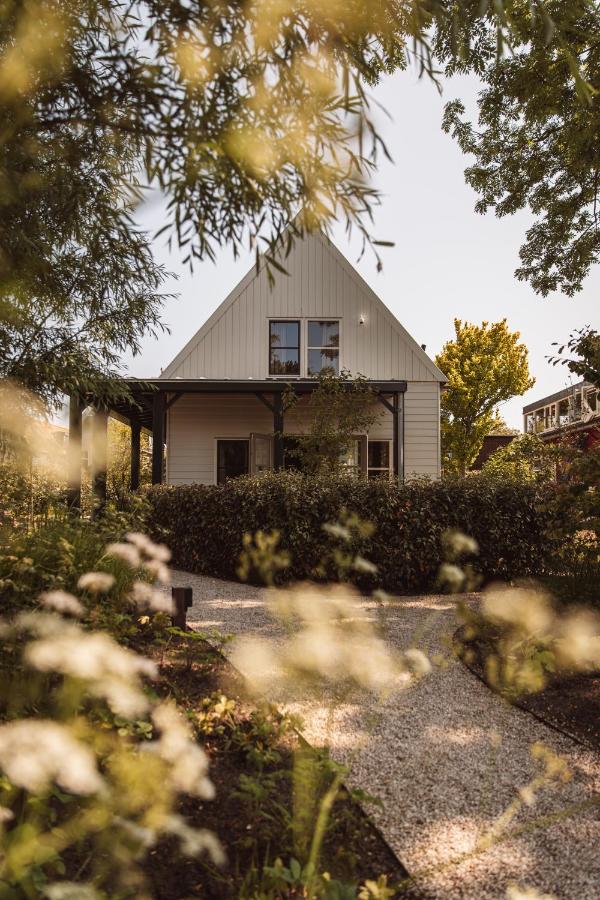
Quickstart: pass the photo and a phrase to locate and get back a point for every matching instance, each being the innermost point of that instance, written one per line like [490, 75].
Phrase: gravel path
[446, 757]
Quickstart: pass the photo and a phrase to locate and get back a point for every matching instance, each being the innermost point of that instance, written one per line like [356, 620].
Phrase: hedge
[204, 525]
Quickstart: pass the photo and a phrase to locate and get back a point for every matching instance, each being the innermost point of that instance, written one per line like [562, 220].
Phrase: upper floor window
[284, 348]
[323, 353]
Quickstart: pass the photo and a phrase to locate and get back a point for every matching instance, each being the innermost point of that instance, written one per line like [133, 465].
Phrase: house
[218, 406]
[491, 444]
[574, 411]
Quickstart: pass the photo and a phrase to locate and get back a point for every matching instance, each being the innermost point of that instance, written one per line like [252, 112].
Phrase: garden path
[446, 757]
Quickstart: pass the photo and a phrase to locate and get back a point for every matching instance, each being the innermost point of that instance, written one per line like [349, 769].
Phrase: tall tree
[243, 114]
[485, 365]
[536, 145]
[585, 345]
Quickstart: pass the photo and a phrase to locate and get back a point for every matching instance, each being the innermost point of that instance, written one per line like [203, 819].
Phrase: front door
[232, 459]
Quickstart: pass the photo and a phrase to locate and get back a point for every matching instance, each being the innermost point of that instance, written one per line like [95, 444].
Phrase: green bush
[204, 525]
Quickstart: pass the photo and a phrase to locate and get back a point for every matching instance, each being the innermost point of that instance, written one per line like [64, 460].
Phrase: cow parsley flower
[62, 602]
[70, 890]
[158, 569]
[36, 752]
[112, 672]
[515, 892]
[127, 553]
[188, 763]
[147, 597]
[146, 546]
[96, 582]
[196, 840]
[418, 663]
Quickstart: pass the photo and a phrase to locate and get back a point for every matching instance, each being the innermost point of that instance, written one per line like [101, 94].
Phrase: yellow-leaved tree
[485, 365]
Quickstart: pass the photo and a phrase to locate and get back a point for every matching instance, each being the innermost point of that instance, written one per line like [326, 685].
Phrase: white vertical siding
[196, 421]
[321, 283]
[422, 429]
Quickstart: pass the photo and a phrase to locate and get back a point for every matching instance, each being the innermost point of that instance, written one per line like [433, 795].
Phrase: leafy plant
[340, 408]
[403, 545]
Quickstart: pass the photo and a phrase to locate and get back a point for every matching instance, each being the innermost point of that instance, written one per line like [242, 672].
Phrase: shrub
[204, 525]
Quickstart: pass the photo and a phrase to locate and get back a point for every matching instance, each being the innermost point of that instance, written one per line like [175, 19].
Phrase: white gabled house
[217, 407]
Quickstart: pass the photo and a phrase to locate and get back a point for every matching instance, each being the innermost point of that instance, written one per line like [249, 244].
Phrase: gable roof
[340, 261]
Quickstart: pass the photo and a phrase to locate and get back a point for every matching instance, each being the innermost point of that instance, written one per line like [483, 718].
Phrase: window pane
[291, 460]
[323, 334]
[350, 456]
[284, 362]
[323, 360]
[378, 473]
[285, 334]
[232, 459]
[379, 455]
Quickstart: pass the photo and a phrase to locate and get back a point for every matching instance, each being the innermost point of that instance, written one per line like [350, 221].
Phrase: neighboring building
[491, 443]
[574, 411]
[218, 406]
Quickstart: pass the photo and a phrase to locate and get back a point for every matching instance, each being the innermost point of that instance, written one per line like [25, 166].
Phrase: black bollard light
[182, 601]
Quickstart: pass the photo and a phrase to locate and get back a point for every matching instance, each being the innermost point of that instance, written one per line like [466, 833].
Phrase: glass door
[232, 459]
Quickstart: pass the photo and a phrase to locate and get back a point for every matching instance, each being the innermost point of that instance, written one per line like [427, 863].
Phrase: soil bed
[251, 764]
[569, 704]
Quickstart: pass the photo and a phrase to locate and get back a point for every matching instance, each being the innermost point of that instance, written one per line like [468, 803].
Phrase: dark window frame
[322, 348]
[226, 440]
[298, 348]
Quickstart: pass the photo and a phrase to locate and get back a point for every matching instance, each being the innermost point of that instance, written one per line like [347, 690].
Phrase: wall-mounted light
[361, 320]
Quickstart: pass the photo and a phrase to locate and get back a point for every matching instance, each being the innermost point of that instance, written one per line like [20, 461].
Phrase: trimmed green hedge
[204, 525]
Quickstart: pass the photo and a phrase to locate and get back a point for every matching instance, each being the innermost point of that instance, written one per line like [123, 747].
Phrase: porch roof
[143, 390]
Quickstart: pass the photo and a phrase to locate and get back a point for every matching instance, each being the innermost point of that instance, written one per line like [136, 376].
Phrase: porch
[151, 401]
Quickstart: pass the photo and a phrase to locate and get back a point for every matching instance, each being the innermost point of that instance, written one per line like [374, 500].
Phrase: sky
[448, 261]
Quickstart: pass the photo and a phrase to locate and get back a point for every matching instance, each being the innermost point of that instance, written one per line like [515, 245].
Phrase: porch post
[399, 434]
[74, 453]
[136, 431]
[99, 457]
[396, 431]
[158, 436]
[278, 432]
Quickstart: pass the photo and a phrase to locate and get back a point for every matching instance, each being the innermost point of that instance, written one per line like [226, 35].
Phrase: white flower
[195, 841]
[578, 642]
[139, 540]
[112, 672]
[418, 663]
[36, 752]
[334, 641]
[525, 609]
[460, 543]
[337, 530]
[158, 569]
[364, 565]
[452, 576]
[147, 597]
[70, 890]
[62, 602]
[125, 552]
[96, 582]
[6, 815]
[514, 892]
[187, 760]
[143, 543]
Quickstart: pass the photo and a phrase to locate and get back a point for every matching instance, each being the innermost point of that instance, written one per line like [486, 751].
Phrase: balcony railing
[581, 406]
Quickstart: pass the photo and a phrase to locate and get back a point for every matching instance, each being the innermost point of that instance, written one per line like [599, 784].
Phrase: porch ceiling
[142, 391]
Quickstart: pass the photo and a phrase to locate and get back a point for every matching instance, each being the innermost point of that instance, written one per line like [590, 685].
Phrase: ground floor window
[232, 459]
[379, 459]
